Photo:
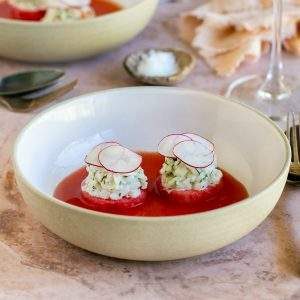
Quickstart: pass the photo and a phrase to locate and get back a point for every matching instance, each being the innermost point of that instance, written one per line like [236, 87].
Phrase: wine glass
[271, 93]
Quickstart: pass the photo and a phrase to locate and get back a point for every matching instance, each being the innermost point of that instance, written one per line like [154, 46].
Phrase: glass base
[256, 91]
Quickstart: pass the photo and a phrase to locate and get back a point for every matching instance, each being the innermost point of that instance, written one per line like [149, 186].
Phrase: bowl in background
[249, 146]
[66, 41]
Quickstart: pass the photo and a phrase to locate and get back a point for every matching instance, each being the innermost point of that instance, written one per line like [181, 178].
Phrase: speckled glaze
[68, 130]
[53, 42]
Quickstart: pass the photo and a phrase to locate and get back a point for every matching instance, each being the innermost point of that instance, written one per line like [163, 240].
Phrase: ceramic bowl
[64, 41]
[249, 146]
[185, 61]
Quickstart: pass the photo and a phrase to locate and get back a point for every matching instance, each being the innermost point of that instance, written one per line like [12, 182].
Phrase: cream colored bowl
[54, 144]
[53, 42]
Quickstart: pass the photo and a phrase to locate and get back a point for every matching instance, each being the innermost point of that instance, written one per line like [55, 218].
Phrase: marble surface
[36, 264]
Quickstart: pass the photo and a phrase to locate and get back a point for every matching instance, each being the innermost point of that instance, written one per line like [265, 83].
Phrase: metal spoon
[29, 81]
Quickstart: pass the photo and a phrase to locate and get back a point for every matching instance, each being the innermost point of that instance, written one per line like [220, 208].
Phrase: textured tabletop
[36, 264]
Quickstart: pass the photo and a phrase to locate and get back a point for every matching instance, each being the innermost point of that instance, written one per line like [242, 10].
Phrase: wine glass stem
[276, 63]
[274, 87]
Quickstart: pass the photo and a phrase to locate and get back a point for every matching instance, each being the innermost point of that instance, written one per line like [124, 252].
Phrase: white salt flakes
[156, 63]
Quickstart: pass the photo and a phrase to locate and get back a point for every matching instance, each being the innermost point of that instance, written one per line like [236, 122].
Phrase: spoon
[28, 81]
[30, 101]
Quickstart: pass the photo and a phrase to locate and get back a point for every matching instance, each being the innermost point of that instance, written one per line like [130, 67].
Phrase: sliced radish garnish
[76, 3]
[67, 3]
[194, 154]
[200, 139]
[166, 145]
[92, 157]
[118, 159]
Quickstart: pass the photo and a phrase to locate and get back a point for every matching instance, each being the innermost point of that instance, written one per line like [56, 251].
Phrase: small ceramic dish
[65, 41]
[54, 144]
[185, 63]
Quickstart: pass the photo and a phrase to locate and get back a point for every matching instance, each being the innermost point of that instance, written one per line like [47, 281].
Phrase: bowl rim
[243, 202]
[33, 24]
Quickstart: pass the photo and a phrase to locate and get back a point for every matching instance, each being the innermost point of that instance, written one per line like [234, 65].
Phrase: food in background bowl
[86, 38]
[182, 178]
[55, 10]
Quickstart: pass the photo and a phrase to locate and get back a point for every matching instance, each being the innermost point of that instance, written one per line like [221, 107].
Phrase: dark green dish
[28, 81]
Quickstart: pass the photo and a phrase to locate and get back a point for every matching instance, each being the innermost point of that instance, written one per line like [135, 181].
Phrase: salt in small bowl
[185, 63]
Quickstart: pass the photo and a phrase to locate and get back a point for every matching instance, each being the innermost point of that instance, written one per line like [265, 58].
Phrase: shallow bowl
[65, 41]
[249, 146]
[185, 61]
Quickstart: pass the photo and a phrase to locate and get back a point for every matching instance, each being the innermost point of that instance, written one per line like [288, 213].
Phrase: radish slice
[194, 154]
[166, 145]
[118, 159]
[67, 3]
[200, 139]
[77, 3]
[92, 157]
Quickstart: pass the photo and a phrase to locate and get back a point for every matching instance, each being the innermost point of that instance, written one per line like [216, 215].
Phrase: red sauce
[5, 10]
[101, 7]
[230, 191]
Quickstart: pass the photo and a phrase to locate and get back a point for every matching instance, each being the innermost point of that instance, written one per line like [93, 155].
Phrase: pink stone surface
[36, 264]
